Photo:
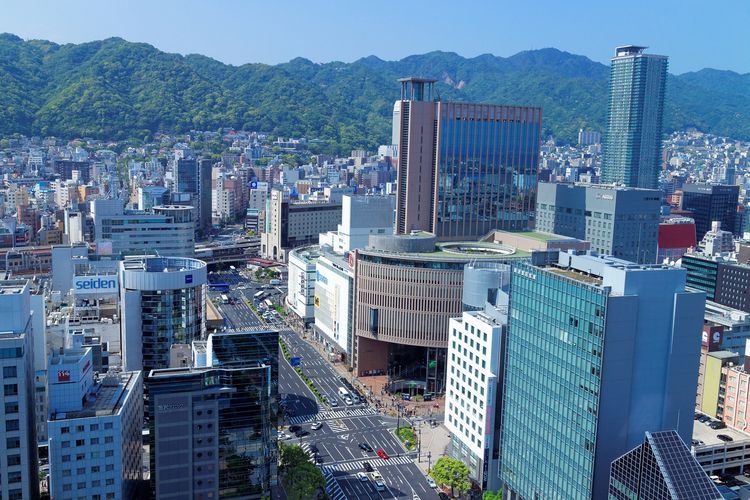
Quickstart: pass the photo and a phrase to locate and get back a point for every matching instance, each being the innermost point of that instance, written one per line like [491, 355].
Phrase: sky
[693, 34]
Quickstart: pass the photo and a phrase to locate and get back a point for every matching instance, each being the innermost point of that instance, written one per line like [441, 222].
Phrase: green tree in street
[300, 478]
[451, 472]
[489, 495]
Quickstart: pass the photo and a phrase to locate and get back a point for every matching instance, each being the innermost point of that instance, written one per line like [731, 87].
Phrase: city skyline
[262, 33]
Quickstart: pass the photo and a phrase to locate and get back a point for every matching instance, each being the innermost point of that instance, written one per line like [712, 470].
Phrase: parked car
[316, 426]
[724, 437]
[704, 419]
[368, 467]
[431, 482]
[406, 397]
[365, 447]
[718, 425]
[382, 454]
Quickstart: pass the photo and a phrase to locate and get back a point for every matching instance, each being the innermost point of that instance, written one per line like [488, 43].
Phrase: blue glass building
[632, 143]
[464, 169]
[599, 351]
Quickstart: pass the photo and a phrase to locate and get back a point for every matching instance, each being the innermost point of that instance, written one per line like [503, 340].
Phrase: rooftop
[576, 275]
[106, 397]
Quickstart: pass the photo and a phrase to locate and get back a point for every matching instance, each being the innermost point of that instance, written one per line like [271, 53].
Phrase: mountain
[117, 89]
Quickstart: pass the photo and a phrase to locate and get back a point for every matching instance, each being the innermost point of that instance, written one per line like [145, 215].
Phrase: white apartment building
[19, 467]
[334, 288]
[301, 282]
[94, 429]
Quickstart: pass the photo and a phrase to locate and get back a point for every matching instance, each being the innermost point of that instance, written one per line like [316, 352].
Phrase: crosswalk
[306, 448]
[332, 486]
[377, 462]
[332, 415]
[338, 426]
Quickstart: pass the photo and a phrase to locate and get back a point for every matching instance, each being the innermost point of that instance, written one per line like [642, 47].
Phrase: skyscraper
[710, 203]
[463, 169]
[632, 144]
[599, 351]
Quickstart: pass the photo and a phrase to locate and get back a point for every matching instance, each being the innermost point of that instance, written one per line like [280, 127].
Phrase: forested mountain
[117, 89]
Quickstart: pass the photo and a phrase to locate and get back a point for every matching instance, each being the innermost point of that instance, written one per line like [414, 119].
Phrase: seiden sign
[95, 284]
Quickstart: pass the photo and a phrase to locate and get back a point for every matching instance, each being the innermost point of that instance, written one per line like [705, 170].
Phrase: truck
[224, 299]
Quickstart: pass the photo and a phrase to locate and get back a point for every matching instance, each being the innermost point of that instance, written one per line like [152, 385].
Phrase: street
[344, 427]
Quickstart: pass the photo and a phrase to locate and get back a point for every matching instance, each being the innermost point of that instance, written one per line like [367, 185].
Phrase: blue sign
[95, 284]
[188, 278]
[295, 361]
[253, 184]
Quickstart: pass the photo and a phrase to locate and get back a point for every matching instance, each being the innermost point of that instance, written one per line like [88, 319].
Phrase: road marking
[344, 436]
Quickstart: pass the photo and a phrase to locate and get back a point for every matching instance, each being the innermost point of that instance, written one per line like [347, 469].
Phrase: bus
[224, 299]
[343, 393]
[219, 287]
[259, 295]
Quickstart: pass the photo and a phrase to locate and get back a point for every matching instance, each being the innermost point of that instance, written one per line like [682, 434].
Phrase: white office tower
[474, 379]
[19, 468]
[94, 429]
[361, 216]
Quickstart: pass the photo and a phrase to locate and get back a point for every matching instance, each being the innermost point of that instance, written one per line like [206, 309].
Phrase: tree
[301, 479]
[451, 472]
[291, 456]
[489, 495]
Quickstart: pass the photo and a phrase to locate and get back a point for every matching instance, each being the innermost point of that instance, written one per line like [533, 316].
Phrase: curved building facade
[403, 303]
[163, 303]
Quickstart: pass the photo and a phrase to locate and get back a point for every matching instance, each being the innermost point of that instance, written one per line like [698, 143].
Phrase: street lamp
[419, 444]
[429, 461]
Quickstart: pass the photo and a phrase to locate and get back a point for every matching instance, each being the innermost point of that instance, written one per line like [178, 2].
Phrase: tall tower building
[19, 467]
[599, 351]
[463, 169]
[163, 303]
[632, 144]
[709, 203]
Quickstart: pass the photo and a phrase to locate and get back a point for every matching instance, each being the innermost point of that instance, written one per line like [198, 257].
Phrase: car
[379, 485]
[368, 467]
[382, 454]
[362, 477]
[294, 428]
[704, 419]
[313, 449]
[427, 396]
[316, 426]
[443, 496]
[332, 402]
[375, 475]
[431, 482]
[406, 397]
[355, 399]
[365, 447]
[283, 436]
[348, 401]
[724, 437]
[718, 425]
[302, 433]
[318, 459]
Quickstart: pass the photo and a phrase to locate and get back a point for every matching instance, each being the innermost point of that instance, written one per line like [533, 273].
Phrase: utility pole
[429, 461]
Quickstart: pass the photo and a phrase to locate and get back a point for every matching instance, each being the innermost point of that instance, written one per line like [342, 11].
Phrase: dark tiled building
[710, 203]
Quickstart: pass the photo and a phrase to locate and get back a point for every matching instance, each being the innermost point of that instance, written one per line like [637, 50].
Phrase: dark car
[443, 496]
[368, 467]
[318, 459]
[718, 425]
[697, 416]
[704, 419]
[313, 448]
[724, 437]
[365, 447]
[302, 433]
[294, 428]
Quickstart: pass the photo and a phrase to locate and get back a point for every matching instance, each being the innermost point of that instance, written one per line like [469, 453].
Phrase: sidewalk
[435, 442]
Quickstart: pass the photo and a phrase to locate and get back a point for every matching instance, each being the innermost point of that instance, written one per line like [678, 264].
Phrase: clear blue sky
[693, 34]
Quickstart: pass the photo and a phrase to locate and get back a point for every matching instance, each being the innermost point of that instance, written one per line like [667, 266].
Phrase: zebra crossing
[332, 415]
[338, 426]
[332, 486]
[377, 462]
[306, 448]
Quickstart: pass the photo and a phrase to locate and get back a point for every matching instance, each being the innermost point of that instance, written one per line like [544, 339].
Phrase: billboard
[712, 337]
[95, 284]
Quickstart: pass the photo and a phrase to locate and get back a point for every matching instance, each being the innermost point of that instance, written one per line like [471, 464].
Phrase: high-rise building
[709, 203]
[94, 429]
[599, 351]
[618, 221]
[19, 467]
[632, 143]
[212, 428]
[660, 468]
[463, 169]
[204, 189]
[163, 303]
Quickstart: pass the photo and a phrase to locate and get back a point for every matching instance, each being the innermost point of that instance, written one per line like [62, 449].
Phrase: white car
[316, 426]
[333, 402]
[362, 477]
[379, 485]
[348, 401]
[431, 482]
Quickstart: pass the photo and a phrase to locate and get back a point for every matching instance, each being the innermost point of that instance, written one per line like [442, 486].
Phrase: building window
[9, 372]
[11, 390]
[11, 425]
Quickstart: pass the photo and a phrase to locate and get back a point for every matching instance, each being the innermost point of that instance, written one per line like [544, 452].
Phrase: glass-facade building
[662, 468]
[708, 203]
[632, 143]
[464, 169]
[213, 429]
[599, 350]
[163, 303]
